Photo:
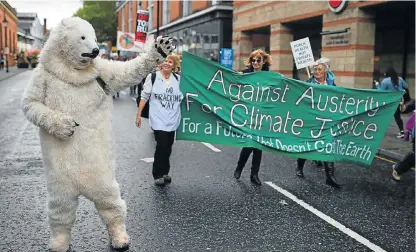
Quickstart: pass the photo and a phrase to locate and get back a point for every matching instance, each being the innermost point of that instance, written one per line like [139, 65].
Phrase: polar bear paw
[64, 128]
[120, 240]
[60, 244]
[164, 45]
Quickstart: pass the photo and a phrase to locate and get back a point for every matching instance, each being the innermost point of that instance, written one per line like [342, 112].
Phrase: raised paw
[165, 45]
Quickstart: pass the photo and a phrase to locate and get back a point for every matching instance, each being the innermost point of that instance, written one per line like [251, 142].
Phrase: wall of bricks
[353, 64]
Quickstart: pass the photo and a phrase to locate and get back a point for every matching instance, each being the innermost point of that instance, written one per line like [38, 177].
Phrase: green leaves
[103, 17]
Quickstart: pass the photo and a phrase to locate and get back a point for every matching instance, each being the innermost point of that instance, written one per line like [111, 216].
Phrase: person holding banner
[409, 160]
[321, 76]
[393, 82]
[259, 60]
[165, 97]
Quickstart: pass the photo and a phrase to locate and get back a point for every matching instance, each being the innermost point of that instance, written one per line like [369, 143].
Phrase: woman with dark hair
[393, 82]
[259, 60]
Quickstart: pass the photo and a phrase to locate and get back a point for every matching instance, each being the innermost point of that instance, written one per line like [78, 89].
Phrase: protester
[258, 61]
[393, 82]
[321, 76]
[164, 96]
[409, 160]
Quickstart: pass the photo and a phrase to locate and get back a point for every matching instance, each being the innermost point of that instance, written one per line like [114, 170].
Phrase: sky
[53, 10]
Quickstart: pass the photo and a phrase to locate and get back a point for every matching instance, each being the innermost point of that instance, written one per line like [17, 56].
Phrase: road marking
[212, 147]
[148, 160]
[123, 93]
[134, 99]
[326, 218]
[385, 159]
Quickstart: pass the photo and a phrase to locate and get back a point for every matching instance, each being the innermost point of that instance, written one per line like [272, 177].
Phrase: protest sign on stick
[142, 25]
[289, 117]
[302, 53]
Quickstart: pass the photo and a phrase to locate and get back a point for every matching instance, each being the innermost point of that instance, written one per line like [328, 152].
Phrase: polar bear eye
[82, 37]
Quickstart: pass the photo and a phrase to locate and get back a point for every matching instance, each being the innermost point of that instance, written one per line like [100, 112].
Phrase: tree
[102, 16]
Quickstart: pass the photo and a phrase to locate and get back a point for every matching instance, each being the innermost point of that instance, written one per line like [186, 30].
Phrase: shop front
[359, 37]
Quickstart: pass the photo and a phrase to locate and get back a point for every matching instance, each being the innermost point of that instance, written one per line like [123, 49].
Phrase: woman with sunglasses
[321, 76]
[259, 60]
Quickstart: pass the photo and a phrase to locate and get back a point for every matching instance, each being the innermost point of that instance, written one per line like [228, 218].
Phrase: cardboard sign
[142, 24]
[302, 53]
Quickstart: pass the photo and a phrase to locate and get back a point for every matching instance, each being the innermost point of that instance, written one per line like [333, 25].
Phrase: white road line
[212, 147]
[328, 219]
[134, 99]
[123, 93]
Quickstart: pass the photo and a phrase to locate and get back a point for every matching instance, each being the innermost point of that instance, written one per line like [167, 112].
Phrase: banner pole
[307, 70]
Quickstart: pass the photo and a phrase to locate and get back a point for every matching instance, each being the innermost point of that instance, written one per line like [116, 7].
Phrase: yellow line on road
[385, 159]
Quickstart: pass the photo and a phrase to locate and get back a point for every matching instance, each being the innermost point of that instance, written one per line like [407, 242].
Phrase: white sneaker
[394, 174]
[400, 134]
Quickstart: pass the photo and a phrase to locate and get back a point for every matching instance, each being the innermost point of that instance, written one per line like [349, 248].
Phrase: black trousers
[398, 118]
[164, 142]
[407, 162]
[255, 163]
[301, 162]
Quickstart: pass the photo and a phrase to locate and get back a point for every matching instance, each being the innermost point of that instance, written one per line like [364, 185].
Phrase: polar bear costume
[69, 99]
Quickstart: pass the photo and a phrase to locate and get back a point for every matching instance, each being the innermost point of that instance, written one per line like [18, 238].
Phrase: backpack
[145, 111]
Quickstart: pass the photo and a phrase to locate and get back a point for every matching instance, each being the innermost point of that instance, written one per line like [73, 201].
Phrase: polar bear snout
[92, 54]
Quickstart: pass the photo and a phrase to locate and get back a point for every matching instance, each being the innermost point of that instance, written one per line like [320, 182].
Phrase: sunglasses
[258, 60]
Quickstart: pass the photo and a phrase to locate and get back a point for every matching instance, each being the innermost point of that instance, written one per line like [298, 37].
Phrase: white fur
[62, 91]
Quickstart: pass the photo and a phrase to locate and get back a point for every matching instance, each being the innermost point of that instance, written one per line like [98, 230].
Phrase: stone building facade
[365, 39]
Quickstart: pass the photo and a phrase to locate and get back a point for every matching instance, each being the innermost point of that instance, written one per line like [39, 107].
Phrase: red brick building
[367, 36]
[9, 14]
[201, 27]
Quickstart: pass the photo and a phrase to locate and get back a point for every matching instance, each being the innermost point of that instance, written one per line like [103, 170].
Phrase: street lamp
[6, 49]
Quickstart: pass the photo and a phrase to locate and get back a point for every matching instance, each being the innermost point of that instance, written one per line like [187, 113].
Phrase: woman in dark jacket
[259, 60]
[321, 76]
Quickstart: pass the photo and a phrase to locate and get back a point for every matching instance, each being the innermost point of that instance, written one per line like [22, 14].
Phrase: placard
[142, 25]
[302, 53]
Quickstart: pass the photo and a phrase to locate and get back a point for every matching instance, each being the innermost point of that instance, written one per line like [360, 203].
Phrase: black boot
[237, 172]
[254, 178]
[299, 167]
[329, 171]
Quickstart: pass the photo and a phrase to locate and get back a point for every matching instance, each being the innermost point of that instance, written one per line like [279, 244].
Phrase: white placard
[302, 53]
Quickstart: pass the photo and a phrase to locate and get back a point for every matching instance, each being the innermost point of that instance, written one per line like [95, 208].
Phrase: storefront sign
[302, 53]
[141, 27]
[337, 6]
[227, 57]
[337, 39]
[285, 116]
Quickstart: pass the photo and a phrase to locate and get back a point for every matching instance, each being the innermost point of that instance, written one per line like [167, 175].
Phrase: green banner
[270, 112]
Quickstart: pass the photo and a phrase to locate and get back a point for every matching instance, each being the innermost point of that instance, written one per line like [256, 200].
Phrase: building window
[186, 8]
[150, 8]
[166, 12]
[130, 16]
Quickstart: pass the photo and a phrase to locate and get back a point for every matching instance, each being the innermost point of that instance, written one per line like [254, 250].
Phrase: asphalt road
[204, 208]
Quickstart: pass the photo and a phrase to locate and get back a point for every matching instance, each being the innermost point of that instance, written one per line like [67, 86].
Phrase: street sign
[227, 57]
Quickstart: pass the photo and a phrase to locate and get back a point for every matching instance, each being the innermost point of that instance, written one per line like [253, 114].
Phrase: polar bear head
[70, 50]
[73, 41]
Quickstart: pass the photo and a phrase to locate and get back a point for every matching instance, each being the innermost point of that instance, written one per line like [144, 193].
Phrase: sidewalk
[393, 147]
[12, 72]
